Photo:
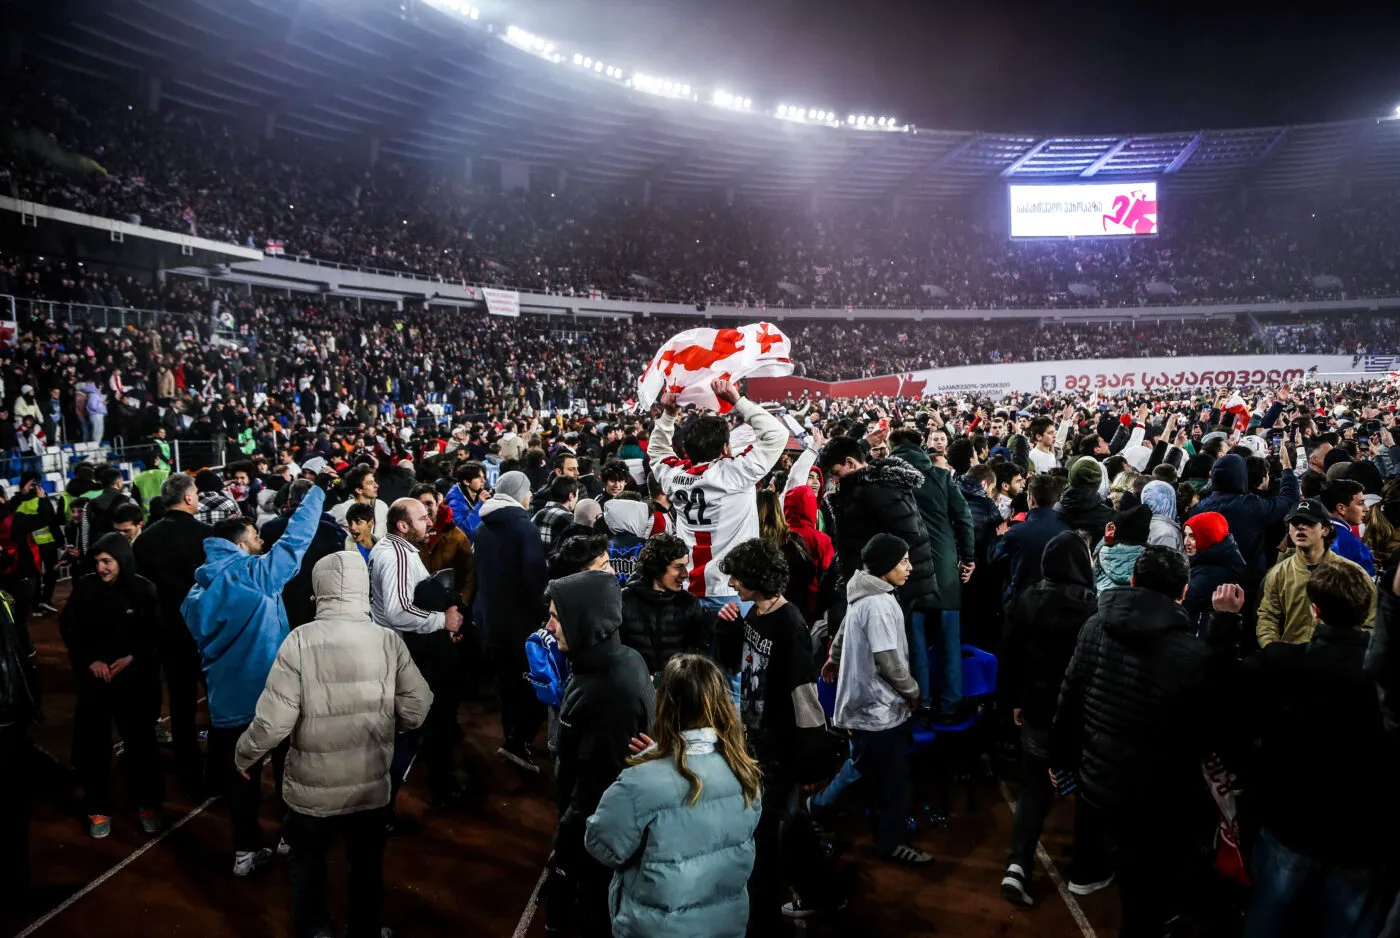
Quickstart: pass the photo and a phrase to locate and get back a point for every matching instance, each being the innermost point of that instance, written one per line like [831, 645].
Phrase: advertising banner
[501, 302]
[1107, 376]
[1083, 210]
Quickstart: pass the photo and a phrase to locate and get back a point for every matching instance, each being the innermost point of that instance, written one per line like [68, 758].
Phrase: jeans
[715, 604]
[1154, 846]
[95, 427]
[948, 668]
[1033, 799]
[881, 758]
[244, 794]
[1294, 890]
[827, 798]
[578, 899]
[125, 701]
[310, 838]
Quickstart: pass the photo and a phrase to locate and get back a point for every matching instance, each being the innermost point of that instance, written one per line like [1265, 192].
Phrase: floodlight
[578, 59]
[747, 103]
[782, 110]
[474, 13]
[685, 90]
[587, 62]
[597, 66]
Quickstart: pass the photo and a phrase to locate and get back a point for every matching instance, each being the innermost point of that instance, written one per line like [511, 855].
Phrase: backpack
[623, 557]
[549, 672]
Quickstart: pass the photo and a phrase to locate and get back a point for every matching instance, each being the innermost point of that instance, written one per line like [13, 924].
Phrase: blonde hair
[693, 694]
[772, 523]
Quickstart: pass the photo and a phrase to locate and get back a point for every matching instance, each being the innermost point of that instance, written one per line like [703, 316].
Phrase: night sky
[1030, 66]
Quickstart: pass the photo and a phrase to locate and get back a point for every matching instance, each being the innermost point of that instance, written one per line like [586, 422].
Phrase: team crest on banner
[688, 362]
[1047, 382]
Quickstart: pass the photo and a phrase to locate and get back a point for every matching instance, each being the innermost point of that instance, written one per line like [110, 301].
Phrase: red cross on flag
[1236, 405]
[688, 362]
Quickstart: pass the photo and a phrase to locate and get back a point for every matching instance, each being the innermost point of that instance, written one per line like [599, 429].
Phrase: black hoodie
[1043, 627]
[609, 698]
[107, 621]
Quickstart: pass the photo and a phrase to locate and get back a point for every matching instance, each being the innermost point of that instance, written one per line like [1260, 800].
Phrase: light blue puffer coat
[682, 871]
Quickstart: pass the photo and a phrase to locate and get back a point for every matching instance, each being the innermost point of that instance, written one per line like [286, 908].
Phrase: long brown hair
[693, 694]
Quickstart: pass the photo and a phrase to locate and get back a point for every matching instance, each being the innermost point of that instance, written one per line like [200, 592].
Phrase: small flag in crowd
[274, 247]
[687, 363]
[1236, 405]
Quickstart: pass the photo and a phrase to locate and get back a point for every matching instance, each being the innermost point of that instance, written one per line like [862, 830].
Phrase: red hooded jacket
[800, 510]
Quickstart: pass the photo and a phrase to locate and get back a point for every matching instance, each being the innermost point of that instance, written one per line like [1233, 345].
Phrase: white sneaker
[284, 849]
[1088, 889]
[909, 855]
[247, 862]
[1013, 887]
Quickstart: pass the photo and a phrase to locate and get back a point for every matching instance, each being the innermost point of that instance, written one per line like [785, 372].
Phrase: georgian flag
[1236, 405]
[688, 362]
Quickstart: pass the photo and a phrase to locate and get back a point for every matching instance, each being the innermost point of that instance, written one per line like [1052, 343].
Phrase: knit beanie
[514, 485]
[1133, 526]
[1210, 528]
[882, 553]
[1086, 473]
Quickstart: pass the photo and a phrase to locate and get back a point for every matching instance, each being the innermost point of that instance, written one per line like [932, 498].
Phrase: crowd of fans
[723, 629]
[1173, 585]
[92, 149]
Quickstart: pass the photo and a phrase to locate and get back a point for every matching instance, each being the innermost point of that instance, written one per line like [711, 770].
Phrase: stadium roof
[431, 85]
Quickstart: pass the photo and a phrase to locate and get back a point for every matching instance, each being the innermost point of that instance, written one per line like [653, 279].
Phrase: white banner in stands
[1108, 376]
[501, 302]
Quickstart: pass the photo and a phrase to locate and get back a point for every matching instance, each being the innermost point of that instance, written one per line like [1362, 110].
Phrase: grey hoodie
[871, 605]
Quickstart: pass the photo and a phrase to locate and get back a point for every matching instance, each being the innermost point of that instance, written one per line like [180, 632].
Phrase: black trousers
[435, 654]
[48, 581]
[244, 794]
[179, 661]
[1154, 843]
[310, 838]
[22, 589]
[522, 714]
[125, 701]
[14, 813]
[577, 901]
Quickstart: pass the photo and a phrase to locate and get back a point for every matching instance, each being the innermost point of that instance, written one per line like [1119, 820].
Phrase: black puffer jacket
[1084, 509]
[608, 701]
[1136, 705]
[1043, 627]
[661, 624]
[986, 518]
[880, 499]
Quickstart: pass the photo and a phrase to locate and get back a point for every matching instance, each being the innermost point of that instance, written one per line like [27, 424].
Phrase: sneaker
[247, 862]
[284, 849]
[150, 820]
[798, 909]
[1088, 889]
[1013, 887]
[163, 737]
[99, 826]
[909, 855]
[519, 753]
[48, 609]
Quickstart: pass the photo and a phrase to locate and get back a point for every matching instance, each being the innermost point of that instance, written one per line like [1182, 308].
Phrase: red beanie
[1210, 528]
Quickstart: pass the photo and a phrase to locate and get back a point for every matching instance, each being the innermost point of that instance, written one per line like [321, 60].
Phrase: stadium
[414, 255]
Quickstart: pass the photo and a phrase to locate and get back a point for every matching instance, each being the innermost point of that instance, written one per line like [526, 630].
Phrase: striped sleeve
[395, 571]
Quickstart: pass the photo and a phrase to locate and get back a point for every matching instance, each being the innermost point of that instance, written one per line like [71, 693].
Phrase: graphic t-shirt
[774, 657]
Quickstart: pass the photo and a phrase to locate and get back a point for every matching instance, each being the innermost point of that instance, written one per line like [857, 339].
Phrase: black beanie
[882, 553]
[1133, 526]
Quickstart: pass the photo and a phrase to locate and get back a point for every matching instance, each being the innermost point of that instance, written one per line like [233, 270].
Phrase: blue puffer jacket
[234, 611]
[1113, 565]
[466, 516]
[682, 871]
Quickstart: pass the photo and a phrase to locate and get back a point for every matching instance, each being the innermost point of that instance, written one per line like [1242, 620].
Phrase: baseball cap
[1310, 511]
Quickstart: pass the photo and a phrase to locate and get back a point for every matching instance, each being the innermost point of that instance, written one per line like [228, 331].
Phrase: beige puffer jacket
[341, 688]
